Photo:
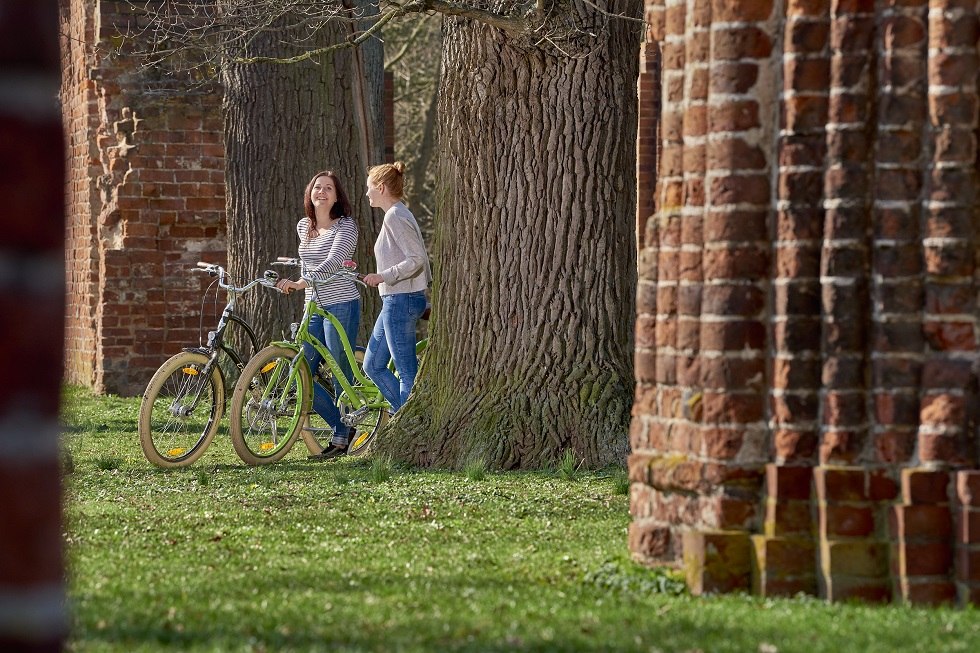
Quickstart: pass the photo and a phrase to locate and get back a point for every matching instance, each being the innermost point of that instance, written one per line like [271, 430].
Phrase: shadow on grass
[462, 612]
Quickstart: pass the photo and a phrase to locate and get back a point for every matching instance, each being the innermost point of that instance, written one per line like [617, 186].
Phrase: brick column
[845, 257]
[784, 554]
[896, 307]
[667, 476]
[648, 126]
[32, 611]
[853, 556]
[922, 549]
[735, 266]
[796, 286]
[949, 243]
[650, 532]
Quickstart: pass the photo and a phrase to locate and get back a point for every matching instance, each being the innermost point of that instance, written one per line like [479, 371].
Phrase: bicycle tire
[169, 437]
[264, 403]
[365, 431]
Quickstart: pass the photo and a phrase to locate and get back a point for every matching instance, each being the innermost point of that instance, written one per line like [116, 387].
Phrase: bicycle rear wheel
[368, 421]
[269, 405]
[180, 410]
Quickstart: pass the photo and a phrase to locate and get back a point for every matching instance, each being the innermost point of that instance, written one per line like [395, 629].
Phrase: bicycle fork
[198, 377]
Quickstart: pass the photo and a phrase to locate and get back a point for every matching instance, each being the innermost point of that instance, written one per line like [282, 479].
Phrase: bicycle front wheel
[269, 405]
[180, 410]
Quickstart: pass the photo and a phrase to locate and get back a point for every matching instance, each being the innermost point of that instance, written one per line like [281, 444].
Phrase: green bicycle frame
[365, 393]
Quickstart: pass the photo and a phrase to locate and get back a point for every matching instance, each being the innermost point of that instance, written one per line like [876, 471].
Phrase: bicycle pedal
[352, 419]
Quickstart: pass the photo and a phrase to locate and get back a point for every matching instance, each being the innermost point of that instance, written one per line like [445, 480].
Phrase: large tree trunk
[283, 123]
[535, 255]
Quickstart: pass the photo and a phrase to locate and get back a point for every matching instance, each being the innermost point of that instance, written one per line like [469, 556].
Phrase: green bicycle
[273, 399]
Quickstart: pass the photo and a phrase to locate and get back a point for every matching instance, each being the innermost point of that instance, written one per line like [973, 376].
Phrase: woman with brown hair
[327, 238]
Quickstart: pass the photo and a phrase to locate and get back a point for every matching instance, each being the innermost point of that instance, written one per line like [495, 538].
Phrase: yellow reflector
[190, 370]
[360, 440]
[176, 452]
[265, 446]
[269, 366]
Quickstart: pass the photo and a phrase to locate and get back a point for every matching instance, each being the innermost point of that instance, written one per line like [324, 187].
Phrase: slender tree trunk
[283, 123]
[535, 255]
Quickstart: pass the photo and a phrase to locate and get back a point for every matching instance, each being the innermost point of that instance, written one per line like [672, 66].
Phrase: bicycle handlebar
[345, 272]
[224, 279]
[340, 274]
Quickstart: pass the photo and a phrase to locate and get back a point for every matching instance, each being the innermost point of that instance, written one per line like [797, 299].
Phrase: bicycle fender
[285, 343]
[206, 352]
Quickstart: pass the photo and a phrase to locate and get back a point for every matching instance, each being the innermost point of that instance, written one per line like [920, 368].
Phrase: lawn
[362, 555]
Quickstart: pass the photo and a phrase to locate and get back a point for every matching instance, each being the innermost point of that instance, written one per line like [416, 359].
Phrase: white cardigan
[400, 253]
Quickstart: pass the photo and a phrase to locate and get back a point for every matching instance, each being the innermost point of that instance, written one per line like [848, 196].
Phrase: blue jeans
[394, 336]
[349, 316]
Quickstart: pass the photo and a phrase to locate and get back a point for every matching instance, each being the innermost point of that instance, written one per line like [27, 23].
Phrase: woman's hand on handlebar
[287, 286]
[373, 279]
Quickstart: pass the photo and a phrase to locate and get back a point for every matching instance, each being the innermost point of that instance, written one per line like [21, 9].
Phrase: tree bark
[534, 255]
[283, 123]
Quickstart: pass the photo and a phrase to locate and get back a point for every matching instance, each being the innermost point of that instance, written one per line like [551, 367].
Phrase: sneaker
[331, 451]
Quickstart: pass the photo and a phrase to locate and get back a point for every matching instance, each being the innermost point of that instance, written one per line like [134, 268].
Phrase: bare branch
[510, 24]
[194, 37]
[409, 42]
[351, 42]
[608, 13]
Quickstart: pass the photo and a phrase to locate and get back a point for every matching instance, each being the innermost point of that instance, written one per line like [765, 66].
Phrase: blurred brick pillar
[32, 611]
[968, 536]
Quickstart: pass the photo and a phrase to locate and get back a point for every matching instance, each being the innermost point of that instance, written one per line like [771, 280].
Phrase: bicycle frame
[362, 394]
[216, 338]
[216, 342]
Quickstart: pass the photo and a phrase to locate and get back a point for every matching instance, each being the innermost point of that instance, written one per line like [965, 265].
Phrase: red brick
[740, 43]
[794, 445]
[866, 558]
[727, 407]
[894, 447]
[787, 483]
[862, 588]
[650, 541]
[717, 561]
[926, 592]
[841, 446]
[788, 518]
[846, 521]
[834, 484]
[923, 486]
[922, 558]
[784, 557]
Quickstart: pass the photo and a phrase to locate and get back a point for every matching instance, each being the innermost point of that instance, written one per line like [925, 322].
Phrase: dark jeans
[394, 336]
[349, 316]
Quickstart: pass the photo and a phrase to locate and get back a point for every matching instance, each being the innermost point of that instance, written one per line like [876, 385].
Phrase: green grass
[366, 555]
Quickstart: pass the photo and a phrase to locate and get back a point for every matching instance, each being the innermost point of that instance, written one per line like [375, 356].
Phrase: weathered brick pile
[806, 344]
[145, 199]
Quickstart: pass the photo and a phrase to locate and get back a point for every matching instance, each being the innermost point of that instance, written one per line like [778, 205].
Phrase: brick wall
[32, 593]
[806, 342]
[145, 196]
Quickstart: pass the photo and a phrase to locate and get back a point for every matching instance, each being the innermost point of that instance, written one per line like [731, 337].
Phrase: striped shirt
[323, 255]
